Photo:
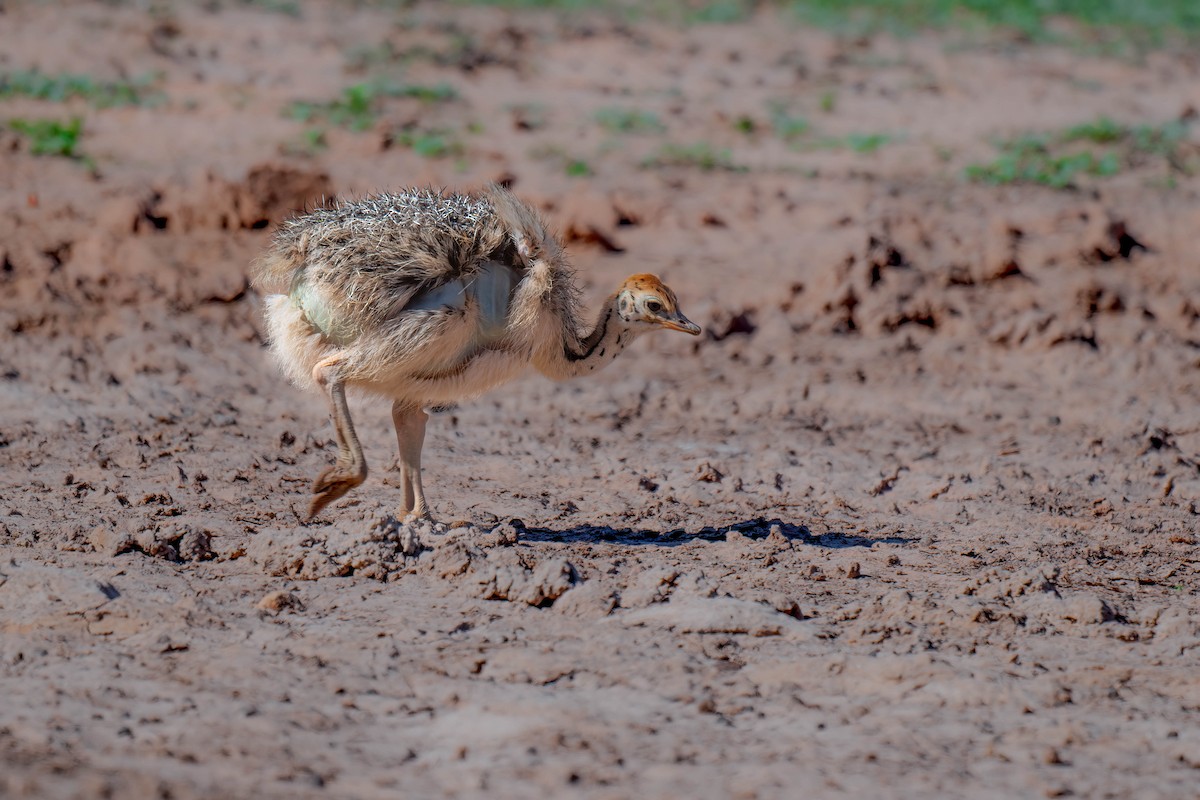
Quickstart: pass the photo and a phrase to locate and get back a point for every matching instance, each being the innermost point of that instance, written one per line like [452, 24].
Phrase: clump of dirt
[279, 601]
[540, 586]
[266, 195]
[477, 562]
[172, 542]
[378, 552]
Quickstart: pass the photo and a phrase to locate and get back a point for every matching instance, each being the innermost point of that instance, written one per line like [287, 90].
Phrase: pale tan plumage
[429, 298]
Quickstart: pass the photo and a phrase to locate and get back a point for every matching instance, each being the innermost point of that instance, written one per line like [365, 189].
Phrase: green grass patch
[800, 134]
[437, 93]
[717, 11]
[578, 168]
[788, 127]
[1099, 149]
[1168, 141]
[60, 88]
[432, 143]
[1139, 21]
[289, 8]
[359, 106]
[628, 120]
[862, 143]
[689, 12]
[1101, 131]
[1029, 160]
[553, 5]
[866, 142]
[700, 155]
[51, 137]
[573, 166]
[357, 109]
[310, 142]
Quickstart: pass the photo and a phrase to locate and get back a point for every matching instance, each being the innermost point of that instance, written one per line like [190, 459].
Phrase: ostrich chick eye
[653, 306]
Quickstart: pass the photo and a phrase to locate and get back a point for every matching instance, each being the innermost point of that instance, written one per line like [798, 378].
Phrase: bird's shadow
[758, 528]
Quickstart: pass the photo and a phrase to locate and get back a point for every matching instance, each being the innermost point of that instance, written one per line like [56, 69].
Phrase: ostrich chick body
[428, 298]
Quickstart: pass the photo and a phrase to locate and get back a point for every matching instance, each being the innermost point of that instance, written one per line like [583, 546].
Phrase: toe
[419, 513]
[332, 484]
[325, 497]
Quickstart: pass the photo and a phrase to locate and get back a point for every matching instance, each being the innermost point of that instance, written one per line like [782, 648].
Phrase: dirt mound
[176, 244]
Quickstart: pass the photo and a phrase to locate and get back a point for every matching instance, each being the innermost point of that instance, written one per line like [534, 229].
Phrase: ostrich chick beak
[678, 322]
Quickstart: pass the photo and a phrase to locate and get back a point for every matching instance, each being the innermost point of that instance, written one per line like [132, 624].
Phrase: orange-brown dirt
[917, 516]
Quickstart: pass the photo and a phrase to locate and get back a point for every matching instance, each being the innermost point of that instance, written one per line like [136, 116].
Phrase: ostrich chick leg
[351, 468]
[410, 435]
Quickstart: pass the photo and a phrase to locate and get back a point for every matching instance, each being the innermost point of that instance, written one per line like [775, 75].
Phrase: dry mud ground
[917, 516]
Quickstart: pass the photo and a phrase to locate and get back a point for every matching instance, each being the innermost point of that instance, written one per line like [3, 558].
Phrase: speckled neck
[607, 339]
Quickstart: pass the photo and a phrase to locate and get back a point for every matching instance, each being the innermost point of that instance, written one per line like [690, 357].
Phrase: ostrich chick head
[644, 302]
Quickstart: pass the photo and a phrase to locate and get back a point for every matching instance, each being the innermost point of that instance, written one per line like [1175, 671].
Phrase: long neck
[582, 355]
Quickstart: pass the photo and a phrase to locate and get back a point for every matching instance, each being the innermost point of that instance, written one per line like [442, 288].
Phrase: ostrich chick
[428, 298]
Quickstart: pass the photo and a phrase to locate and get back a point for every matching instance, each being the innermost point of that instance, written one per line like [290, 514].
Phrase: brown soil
[917, 516]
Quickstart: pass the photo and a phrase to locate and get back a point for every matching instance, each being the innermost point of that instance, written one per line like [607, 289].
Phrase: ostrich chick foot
[409, 516]
[332, 484]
